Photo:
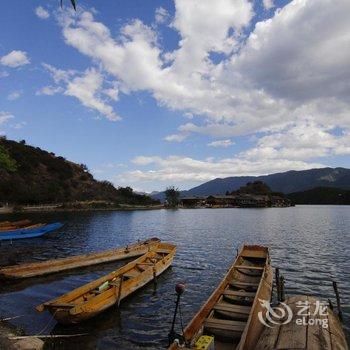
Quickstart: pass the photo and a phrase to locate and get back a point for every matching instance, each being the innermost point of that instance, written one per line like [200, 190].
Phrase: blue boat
[22, 233]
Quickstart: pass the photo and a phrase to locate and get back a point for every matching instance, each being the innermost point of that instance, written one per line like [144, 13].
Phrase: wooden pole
[335, 287]
[277, 281]
[283, 298]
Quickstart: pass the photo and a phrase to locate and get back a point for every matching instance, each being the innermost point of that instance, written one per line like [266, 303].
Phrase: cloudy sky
[156, 93]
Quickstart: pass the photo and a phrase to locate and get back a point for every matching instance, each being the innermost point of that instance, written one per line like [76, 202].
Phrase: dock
[308, 329]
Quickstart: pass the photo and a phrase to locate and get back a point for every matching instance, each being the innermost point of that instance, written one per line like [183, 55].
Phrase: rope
[44, 329]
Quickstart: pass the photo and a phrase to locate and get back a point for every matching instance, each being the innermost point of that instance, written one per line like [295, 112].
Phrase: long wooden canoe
[91, 299]
[229, 318]
[64, 264]
[319, 329]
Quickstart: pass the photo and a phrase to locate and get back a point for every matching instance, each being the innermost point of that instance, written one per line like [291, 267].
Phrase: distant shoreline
[60, 208]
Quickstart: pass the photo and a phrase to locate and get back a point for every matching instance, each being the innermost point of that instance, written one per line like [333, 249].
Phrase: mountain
[321, 195]
[30, 175]
[287, 182]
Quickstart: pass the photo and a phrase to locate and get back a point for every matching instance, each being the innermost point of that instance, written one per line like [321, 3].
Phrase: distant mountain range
[287, 182]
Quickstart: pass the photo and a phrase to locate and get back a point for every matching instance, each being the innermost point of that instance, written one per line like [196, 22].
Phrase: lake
[310, 245]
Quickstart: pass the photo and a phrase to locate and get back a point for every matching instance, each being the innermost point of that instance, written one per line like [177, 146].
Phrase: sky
[157, 93]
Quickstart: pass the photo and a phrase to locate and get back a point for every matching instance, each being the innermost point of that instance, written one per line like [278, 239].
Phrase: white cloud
[5, 117]
[180, 169]
[268, 4]
[161, 15]
[175, 137]
[14, 95]
[49, 90]
[112, 92]
[86, 89]
[301, 141]
[289, 74]
[286, 66]
[59, 75]
[14, 59]
[4, 74]
[19, 125]
[42, 13]
[221, 143]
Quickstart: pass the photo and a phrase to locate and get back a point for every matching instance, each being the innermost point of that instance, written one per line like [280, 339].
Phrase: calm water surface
[310, 244]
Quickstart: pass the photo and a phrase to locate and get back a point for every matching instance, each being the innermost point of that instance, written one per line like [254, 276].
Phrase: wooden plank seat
[238, 293]
[238, 309]
[244, 285]
[225, 328]
[249, 267]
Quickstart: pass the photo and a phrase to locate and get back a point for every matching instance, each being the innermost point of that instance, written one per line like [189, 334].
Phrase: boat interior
[112, 281]
[228, 318]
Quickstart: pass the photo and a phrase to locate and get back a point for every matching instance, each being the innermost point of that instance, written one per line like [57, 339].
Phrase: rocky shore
[8, 339]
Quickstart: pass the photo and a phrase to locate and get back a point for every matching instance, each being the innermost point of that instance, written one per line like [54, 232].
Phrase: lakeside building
[242, 200]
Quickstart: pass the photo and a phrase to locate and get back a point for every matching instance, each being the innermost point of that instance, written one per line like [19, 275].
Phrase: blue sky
[156, 93]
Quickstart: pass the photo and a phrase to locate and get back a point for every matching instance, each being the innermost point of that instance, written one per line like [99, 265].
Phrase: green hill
[30, 175]
[321, 195]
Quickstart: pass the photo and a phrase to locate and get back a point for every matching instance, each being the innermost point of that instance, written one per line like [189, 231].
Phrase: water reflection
[310, 245]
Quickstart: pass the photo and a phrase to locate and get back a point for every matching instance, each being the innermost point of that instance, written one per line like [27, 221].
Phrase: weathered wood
[232, 308]
[249, 267]
[239, 293]
[254, 326]
[291, 334]
[268, 339]
[318, 338]
[64, 264]
[231, 323]
[233, 326]
[87, 302]
[335, 287]
[309, 334]
[241, 284]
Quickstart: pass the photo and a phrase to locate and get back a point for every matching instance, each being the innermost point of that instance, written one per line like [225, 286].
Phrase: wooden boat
[8, 225]
[229, 318]
[57, 265]
[299, 335]
[91, 299]
[29, 232]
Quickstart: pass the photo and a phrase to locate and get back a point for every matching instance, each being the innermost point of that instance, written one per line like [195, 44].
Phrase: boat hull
[80, 305]
[24, 233]
[64, 264]
[230, 313]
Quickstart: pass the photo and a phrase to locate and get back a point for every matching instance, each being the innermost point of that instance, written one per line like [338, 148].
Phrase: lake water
[310, 245]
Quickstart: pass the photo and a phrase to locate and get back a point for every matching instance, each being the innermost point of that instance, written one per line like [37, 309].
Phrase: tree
[6, 162]
[172, 196]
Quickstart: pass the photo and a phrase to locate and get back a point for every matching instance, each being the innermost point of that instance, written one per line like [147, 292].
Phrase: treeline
[321, 195]
[30, 175]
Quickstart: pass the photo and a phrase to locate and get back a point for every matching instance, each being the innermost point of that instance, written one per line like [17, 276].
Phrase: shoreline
[9, 331]
[6, 332]
[60, 208]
